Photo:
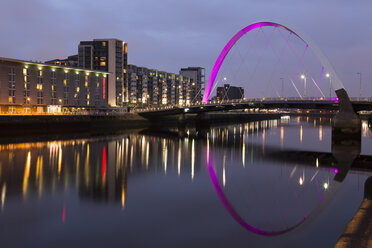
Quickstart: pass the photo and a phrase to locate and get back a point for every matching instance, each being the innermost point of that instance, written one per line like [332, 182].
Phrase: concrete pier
[346, 124]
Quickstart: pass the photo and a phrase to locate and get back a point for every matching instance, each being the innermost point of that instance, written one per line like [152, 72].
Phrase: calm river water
[260, 184]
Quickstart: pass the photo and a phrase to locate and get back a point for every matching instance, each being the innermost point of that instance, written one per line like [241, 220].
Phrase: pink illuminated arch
[239, 219]
[336, 82]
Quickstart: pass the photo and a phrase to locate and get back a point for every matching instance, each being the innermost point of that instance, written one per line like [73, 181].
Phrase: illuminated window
[53, 84]
[102, 63]
[65, 88]
[11, 84]
[39, 86]
[103, 43]
[103, 58]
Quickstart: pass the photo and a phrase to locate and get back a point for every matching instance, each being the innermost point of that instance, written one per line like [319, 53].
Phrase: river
[272, 183]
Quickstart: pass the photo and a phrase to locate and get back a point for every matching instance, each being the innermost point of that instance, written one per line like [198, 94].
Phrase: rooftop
[48, 65]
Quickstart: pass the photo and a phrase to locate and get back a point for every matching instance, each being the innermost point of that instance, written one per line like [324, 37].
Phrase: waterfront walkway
[359, 231]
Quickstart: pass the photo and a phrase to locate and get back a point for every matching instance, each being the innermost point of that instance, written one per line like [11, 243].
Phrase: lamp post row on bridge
[360, 84]
[282, 87]
[330, 84]
[304, 78]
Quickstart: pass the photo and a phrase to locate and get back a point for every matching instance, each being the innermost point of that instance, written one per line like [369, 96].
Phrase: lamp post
[282, 87]
[330, 84]
[304, 78]
[360, 84]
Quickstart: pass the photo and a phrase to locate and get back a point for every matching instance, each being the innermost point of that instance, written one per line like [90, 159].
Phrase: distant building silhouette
[228, 92]
[71, 61]
[197, 74]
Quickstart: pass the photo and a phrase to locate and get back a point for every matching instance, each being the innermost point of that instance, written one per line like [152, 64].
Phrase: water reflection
[272, 176]
[323, 177]
[97, 168]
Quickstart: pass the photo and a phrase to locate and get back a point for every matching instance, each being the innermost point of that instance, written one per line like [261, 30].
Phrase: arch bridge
[342, 103]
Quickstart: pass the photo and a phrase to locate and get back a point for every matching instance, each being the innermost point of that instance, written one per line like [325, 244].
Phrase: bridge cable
[260, 58]
[295, 87]
[321, 92]
[243, 59]
[285, 67]
[235, 74]
[278, 62]
[226, 64]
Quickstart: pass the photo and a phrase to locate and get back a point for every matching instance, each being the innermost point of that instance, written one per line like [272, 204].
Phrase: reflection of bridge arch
[336, 82]
[238, 218]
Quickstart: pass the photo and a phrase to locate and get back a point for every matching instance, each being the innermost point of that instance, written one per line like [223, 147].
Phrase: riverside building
[28, 87]
[134, 85]
[153, 87]
[70, 61]
[197, 74]
[229, 92]
[110, 55]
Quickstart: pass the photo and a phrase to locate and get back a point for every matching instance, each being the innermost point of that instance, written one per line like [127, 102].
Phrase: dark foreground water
[262, 184]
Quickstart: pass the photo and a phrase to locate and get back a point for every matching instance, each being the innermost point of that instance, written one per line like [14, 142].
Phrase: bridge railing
[251, 100]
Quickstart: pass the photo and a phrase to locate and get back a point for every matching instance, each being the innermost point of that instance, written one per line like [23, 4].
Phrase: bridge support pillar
[346, 125]
[346, 135]
[345, 151]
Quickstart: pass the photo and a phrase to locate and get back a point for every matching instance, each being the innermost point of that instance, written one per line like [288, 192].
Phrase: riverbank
[19, 127]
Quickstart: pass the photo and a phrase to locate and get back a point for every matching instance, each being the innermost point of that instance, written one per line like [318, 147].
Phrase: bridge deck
[264, 103]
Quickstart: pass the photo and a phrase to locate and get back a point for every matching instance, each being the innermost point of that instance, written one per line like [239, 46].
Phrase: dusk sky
[168, 34]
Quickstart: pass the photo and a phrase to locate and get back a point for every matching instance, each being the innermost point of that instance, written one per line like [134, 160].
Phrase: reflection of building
[29, 86]
[103, 181]
[197, 75]
[97, 169]
[228, 92]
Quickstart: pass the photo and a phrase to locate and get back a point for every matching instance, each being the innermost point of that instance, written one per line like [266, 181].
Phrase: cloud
[168, 34]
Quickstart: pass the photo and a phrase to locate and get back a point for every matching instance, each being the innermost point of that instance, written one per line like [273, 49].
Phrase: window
[86, 81]
[11, 76]
[54, 92]
[65, 89]
[39, 86]
[103, 43]
[77, 89]
[102, 63]
[26, 90]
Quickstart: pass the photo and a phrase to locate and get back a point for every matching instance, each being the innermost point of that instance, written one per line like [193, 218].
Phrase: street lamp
[360, 84]
[282, 87]
[304, 78]
[330, 85]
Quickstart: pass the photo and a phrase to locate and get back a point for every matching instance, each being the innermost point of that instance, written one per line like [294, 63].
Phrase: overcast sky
[170, 34]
